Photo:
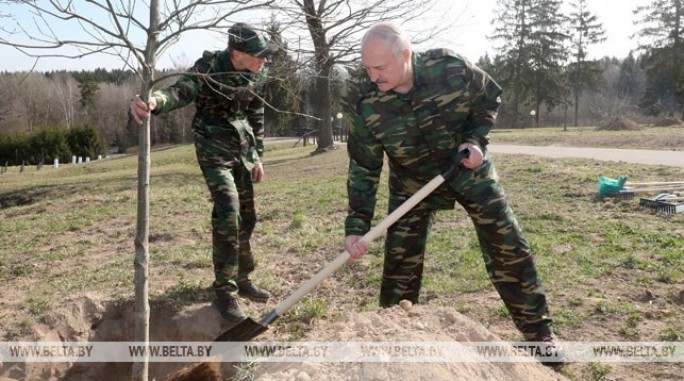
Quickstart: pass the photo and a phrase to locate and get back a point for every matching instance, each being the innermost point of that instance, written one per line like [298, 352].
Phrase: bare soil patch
[93, 318]
[619, 124]
[669, 122]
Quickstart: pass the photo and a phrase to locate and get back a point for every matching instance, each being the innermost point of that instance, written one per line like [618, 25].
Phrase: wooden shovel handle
[653, 183]
[653, 189]
[368, 237]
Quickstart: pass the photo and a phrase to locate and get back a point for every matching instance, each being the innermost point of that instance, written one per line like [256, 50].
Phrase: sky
[471, 22]
[475, 24]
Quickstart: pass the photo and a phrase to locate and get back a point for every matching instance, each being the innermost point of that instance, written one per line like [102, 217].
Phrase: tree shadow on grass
[30, 195]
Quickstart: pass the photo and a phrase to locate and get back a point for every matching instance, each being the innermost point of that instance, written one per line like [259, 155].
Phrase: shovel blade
[245, 330]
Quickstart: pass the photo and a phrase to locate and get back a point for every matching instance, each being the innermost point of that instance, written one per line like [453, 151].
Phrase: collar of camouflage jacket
[224, 63]
[421, 71]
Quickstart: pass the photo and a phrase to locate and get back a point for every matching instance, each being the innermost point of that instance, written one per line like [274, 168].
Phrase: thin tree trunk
[142, 306]
[140, 371]
[325, 135]
[576, 107]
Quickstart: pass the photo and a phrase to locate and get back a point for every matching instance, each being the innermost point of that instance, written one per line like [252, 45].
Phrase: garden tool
[666, 203]
[248, 328]
[620, 188]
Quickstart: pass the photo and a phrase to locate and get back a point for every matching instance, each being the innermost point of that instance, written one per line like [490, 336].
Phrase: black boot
[229, 308]
[549, 352]
[248, 290]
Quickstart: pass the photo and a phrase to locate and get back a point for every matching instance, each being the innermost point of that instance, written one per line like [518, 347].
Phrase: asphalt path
[636, 156]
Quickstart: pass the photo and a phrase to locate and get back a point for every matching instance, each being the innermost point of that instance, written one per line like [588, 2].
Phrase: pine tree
[532, 54]
[513, 31]
[630, 82]
[89, 88]
[586, 31]
[661, 39]
[282, 89]
[549, 54]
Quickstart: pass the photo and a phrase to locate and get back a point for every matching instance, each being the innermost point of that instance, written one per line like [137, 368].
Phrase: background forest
[542, 65]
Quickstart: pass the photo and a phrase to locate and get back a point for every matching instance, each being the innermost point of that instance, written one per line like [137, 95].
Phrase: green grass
[72, 211]
[599, 371]
[244, 372]
[671, 334]
[70, 230]
[649, 137]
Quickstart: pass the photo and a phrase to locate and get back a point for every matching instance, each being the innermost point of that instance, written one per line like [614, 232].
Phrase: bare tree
[64, 88]
[119, 28]
[11, 111]
[32, 99]
[334, 28]
[112, 110]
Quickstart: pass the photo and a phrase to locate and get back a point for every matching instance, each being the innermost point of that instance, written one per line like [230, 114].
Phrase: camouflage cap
[244, 38]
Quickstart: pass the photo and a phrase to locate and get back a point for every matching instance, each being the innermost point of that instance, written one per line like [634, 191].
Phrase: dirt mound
[420, 323]
[669, 122]
[619, 124]
[72, 322]
[199, 322]
[89, 318]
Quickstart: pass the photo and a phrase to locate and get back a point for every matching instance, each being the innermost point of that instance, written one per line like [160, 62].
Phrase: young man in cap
[227, 90]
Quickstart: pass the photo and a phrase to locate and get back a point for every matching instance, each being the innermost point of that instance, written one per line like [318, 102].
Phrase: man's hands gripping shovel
[354, 249]
[470, 156]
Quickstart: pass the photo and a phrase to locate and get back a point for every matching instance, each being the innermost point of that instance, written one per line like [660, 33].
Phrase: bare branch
[116, 36]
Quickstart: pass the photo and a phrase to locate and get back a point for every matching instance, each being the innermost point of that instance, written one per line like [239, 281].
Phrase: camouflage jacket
[451, 102]
[229, 117]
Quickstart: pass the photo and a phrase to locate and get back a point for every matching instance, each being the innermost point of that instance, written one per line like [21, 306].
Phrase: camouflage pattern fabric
[244, 38]
[451, 102]
[228, 129]
[404, 252]
[233, 219]
[229, 120]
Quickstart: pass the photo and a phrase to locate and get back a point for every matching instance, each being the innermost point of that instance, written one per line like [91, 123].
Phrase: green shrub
[14, 148]
[49, 143]
[85, 141]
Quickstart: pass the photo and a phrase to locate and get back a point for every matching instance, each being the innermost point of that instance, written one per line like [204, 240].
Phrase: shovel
[249, 329]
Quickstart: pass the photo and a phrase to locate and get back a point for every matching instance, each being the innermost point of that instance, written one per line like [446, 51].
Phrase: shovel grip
[341, 259]
[372, 234]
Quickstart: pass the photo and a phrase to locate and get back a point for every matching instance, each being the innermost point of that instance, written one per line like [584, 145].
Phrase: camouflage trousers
[233, 219]
[507, 255]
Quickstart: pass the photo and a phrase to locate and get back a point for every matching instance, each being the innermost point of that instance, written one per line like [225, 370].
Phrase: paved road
[638, 156]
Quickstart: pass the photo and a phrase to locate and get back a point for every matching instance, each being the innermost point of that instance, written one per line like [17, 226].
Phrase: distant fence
[307, 134]
[74, 160]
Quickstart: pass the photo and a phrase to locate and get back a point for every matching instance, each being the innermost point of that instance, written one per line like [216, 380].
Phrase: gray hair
[391, 34]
